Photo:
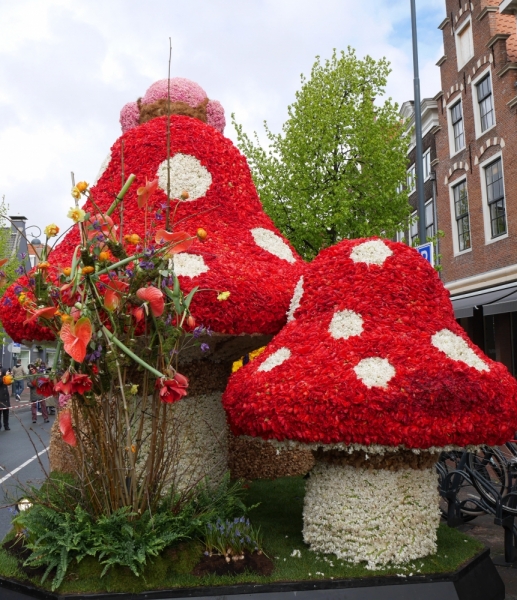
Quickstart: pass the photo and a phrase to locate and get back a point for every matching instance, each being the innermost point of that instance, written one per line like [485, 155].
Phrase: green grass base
[280, 519]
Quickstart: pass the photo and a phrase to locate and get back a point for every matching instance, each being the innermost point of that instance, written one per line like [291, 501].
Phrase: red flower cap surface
[243, 252]
[372, 354]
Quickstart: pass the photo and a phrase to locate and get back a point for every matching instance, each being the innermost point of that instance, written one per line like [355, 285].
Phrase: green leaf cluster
[336, 170]
[58, 531]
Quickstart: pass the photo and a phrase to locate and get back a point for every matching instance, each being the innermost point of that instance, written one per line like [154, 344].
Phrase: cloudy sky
[67, 67]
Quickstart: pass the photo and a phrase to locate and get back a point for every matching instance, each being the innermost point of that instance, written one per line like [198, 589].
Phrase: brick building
[476, 170]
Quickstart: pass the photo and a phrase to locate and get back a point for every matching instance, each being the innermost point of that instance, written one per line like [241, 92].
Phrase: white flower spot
[457, 348]
[189, 265]
[103, 167]
[186, 174]
[344, 324]
[374, 371]
[295, 300]
[273, 243]
[374, 252]
[275, 360]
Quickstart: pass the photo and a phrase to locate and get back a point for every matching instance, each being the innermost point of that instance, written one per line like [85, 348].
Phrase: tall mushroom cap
[372, 355]
[244, 252]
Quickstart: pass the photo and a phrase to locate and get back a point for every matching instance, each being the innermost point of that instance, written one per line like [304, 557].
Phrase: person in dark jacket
[35, 396]
[5, 401]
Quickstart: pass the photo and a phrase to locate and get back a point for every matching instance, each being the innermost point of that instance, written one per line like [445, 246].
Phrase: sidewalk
[484, 529]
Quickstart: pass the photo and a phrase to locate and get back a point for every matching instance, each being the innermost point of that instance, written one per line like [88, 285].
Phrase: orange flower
[104, 255]
[3, 261]
[184, 195]
[180, 241]
[76, 337]
[113, 295]
[87, 270]
[46, 313]
[43, 265]
[7, 379]
[82, 186]
[201, 234]
[134, 238]
[67, 271]
[144, 193]
[154, 296]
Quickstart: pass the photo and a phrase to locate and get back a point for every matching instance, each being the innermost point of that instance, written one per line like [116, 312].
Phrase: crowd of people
[39, 404]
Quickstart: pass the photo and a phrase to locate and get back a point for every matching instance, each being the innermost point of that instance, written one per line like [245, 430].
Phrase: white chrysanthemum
[457, 348]
[103, 167]
[275, 360]
[186, 174]
[344, 324]
[374, 252]
[376, 516]
[189, 265]
[272, 243]
[295, 300]
[374, 371]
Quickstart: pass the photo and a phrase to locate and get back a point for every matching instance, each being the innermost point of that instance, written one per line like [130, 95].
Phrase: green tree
[336, 170]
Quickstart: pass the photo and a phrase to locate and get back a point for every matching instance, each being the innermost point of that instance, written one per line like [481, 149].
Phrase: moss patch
[279, 516]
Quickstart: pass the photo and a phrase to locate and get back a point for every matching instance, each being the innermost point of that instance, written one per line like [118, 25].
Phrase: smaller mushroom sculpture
[372, 373]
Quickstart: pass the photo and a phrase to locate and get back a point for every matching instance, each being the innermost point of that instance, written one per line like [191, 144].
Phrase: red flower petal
[76, 338]
[180, 241]
[155, 298]
[46, 313]
[65, 426]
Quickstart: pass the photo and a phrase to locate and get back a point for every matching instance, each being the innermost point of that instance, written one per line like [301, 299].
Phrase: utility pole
[419, 167]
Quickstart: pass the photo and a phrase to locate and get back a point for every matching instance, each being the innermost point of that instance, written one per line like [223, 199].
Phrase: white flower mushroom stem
[374, 515]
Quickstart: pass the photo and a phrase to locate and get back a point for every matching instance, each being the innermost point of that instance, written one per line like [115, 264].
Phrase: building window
[461, 212]
[464, 45]
[411, 179]
[457, 127]
[429, 219]
[426, 159]
[413, 229]
[495, 197]
[485, 102]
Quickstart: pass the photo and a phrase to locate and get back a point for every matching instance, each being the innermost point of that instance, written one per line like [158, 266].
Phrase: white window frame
[411, 179]
[430, 201]
[454, 227]
[486, 211]
[450, 127]
[460, 31]
[477, 114]
[426, 162]
[414, 223]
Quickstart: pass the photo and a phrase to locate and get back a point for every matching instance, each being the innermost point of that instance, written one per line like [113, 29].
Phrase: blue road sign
[426, 250]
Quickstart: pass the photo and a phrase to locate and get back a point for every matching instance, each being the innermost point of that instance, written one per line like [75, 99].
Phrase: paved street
[19, 448]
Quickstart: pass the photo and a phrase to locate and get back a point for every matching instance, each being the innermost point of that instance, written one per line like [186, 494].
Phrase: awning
[496, 300]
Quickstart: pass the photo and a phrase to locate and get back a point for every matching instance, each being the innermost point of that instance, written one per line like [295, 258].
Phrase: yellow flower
[76, 192]
[87, 270]
[82, 186]
[76, 214]
[51, 230]
[43, 265]
[134, 390]
[223, 296]
[66, 318]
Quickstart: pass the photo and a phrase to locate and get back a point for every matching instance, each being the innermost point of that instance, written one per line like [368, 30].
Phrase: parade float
[170, 273]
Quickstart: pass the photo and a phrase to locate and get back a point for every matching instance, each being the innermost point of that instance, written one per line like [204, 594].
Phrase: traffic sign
[427, 252]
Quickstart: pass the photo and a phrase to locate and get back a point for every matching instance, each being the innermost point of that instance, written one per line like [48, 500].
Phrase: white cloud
[67, 68]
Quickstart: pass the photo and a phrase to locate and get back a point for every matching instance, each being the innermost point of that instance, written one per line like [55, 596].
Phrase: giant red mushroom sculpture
[376, 377]
[243, 254]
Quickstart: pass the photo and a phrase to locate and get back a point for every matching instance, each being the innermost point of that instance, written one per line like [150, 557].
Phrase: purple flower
[17, 289]
[20, 270]
[23, 255]
[149, 252]
[158, 217]
[198, 331]
[129, 273]
[100, 237]
[32, 281]
[112, 274]
[8, 302]
[54, 293]
[205, 347]
[102, 287]
[2, 274]
[146, 264]
[97, 225]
